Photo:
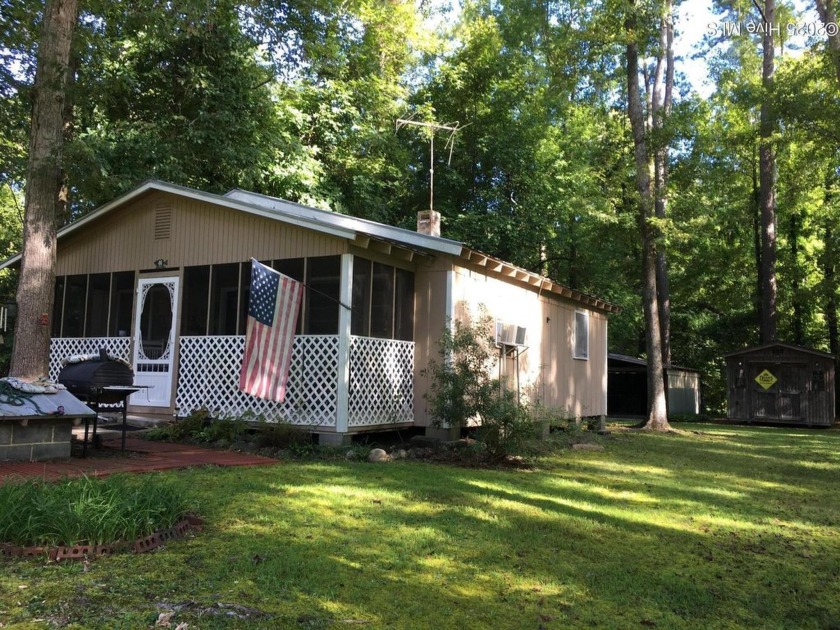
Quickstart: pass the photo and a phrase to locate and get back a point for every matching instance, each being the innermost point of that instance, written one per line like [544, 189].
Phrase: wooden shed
[627, 387]
[781, 383]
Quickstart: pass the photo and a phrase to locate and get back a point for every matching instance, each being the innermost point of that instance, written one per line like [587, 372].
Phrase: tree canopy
[299, 100]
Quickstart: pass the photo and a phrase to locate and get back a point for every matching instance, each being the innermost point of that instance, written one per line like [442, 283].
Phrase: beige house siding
[548, 372]
[430, 316]
[200, 233]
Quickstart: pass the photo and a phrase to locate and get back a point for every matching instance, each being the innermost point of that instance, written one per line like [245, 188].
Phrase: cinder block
[5, 433]
[22, 453]
[38, 431]
[34, 432]
[56, 450]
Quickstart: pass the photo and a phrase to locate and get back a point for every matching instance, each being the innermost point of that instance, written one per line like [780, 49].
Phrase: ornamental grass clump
[87, 511]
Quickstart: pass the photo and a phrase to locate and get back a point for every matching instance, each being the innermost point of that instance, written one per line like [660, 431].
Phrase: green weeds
[87, 511]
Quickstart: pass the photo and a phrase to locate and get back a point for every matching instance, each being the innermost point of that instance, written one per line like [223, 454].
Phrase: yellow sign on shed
[766, 379]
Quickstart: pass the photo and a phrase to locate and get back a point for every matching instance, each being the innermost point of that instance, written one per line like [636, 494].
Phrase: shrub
[463, 390]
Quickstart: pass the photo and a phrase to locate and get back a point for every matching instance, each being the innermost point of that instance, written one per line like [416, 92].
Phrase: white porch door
[154, 341]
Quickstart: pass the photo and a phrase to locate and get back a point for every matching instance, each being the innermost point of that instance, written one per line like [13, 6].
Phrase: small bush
[463, 390]
[223, 429]
[87, 511]
[190, 426]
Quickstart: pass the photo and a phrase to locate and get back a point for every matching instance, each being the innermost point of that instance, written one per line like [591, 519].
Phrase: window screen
[323, 282]
[361, 297]
[58, 306]
[224, 292]
[99, 289]
[382, 302]
[122, 302]
[196, 297]
[75, 298]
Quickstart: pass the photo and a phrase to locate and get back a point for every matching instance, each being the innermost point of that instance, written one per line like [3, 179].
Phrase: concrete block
[56, 450]
[38, 431]
[443, 434]
[334, 439]
[5, 433]
[22, 453]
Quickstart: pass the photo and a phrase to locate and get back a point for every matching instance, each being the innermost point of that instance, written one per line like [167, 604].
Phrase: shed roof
[361, 232]
[635, 361]
[779, 344]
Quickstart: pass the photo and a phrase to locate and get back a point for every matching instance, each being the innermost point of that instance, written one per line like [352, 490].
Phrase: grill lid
[89, 374]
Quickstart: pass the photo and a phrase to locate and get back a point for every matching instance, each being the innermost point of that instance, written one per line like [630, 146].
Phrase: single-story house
[781, 383]
[160, 277]
[628, 394]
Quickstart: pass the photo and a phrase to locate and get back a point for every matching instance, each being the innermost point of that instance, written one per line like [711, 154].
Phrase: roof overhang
[780, 344]
[541, 283]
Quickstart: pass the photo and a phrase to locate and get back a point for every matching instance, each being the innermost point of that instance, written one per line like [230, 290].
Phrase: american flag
[272, 316]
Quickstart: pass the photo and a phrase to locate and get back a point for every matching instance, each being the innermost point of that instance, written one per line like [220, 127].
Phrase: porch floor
[140, 456]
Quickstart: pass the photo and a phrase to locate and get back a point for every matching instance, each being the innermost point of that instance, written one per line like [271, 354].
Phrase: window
[404, 306]
[382, 302]
[75, 297]
[58, 305]
[94, 305]
[581, 334]
[195, 301]
[224, 293]
[122, 302]
[361, 297]
[99, 289]
[323, 280]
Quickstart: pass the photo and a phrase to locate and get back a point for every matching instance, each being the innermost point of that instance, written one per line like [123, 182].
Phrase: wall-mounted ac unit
[509, 334]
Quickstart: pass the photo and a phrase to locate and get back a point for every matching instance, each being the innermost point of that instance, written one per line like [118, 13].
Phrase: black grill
[89, 380]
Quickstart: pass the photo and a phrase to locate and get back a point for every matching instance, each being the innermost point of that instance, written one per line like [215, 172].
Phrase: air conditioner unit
[509, 334]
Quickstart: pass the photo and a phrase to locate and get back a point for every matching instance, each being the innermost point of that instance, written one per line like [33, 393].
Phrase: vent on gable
[163, 223]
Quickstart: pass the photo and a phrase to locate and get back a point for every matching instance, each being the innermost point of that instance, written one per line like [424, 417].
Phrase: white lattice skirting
[208, 377]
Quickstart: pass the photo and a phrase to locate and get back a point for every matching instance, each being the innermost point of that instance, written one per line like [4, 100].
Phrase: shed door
[782, 399]
[154, 341]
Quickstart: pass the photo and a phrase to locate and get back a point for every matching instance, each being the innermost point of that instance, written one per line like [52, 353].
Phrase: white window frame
[584, 356]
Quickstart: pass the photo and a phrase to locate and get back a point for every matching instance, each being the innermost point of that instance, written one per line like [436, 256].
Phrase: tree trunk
[657, 409]
[31, 352]
[756, 220]
[828, 15]
[663, 89]
[767, 180]
[795, 283]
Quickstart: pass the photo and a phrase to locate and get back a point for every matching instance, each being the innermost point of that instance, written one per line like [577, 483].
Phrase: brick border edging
[80, 552]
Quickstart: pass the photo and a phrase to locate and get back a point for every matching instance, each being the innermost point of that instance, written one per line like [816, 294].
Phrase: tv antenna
[451, 128]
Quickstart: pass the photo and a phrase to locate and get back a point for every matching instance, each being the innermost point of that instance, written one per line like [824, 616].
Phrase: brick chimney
[428, 222]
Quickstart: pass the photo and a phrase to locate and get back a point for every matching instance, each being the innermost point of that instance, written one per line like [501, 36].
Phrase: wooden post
[344, 328]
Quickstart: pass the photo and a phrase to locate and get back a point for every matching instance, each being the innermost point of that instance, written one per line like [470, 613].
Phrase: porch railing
[381, 381]
[380, 390]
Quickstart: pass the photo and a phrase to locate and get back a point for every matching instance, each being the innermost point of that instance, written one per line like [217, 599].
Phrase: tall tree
[30, 357]
[660, 108]
[828, 14]
[767, 176]
[657, 418]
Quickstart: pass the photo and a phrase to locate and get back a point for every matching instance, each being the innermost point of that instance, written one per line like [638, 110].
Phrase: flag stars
[264, 295]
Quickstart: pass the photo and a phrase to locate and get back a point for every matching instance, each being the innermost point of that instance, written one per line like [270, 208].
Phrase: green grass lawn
[719, 527]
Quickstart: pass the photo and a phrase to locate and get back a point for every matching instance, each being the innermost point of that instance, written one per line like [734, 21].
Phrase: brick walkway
[141, 456]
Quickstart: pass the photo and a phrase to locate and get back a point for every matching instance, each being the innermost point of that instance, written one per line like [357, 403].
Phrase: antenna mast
[452, 128]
